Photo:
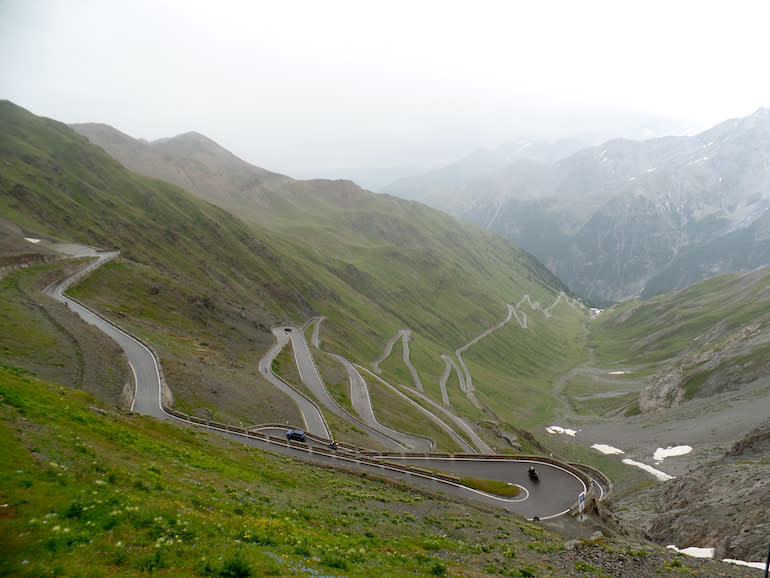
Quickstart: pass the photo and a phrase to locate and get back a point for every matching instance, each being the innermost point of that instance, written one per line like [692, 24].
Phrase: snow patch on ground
[31, 240]
[607, 450]
[619, 372]
[661, 476]
[696, 552]
[663, 453]
[759, 565]
[555, 429]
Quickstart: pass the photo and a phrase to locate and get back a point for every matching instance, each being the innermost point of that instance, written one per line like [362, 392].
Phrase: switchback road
[558, 489]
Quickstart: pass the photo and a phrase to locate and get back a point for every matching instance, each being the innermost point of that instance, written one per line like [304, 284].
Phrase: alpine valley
[469, 348]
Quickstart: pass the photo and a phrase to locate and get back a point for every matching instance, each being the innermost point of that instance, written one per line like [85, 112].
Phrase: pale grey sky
[308, 87]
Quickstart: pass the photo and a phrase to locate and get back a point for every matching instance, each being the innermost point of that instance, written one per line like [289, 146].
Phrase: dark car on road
[296, 435]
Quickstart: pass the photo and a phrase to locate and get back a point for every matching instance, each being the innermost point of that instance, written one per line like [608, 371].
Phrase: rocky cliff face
[722, 504]
[631, 218]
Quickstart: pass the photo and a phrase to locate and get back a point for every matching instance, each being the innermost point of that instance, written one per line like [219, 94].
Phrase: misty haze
[384, 289]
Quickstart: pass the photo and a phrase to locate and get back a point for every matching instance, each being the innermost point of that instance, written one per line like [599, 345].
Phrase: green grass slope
[203, 287]
[709, 338]
[88, 490]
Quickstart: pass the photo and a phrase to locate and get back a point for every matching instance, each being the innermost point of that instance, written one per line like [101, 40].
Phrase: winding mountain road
[311, 415]
[147, 395]
[553, 496]
[362, 403]
[313, 381]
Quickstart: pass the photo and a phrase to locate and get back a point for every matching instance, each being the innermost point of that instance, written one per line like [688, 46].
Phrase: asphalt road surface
[141, 360]
[314, 421]
[553, 495]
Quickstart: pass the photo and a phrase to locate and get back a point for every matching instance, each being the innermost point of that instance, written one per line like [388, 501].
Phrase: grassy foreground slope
[203, 287]
[89, 490]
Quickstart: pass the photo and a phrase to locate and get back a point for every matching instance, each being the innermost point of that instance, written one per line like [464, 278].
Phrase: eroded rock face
[715, 363]
[722, 504]
[664, 392]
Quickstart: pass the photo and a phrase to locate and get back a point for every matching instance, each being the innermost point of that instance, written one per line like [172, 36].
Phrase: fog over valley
[377, 91]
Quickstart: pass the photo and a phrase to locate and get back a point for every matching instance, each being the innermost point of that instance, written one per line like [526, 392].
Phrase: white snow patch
[31, 240]
[620, 372]
[607, 450]
[759, 565]
[663, 453]
[652, 169]
[661, 476]
[555, 429]
[694, 551]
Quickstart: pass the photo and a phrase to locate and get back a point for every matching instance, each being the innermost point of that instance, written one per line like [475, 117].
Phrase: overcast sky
[312, 88]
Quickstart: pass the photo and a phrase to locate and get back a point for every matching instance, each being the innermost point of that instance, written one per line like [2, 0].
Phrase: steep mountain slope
[689, 372]
[204, 287]
[411, 263]
[710, 338]
[191, 161]
[609, 220]
[192, 280]
[722, 498]
[719, 503]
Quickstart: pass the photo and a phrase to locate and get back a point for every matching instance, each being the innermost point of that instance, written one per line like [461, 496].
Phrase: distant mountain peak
[190, 140]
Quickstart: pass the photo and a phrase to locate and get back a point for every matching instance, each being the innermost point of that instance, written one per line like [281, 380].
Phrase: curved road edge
[148, 400]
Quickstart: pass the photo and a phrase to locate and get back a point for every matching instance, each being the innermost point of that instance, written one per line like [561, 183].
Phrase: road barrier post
[581, 505]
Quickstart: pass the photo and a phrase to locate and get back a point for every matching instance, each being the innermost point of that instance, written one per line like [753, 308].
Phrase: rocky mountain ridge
[185, 160]
[633, 218]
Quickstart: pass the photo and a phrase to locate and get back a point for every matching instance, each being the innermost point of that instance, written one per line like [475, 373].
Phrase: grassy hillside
[710, 338]
[203, 287]
[88, 490]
